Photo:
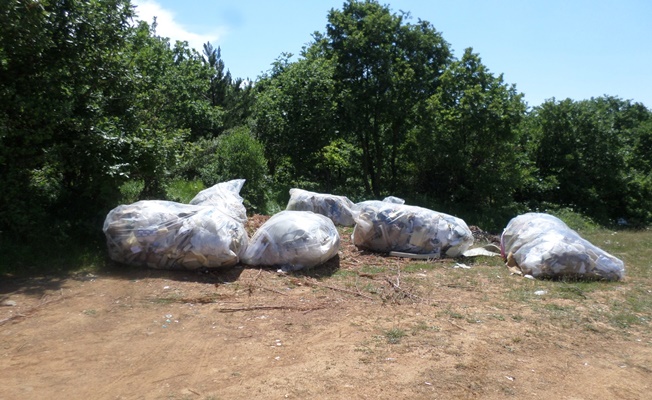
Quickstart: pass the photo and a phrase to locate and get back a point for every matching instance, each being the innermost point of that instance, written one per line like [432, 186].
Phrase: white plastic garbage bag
[394, 199]
[293, 240]
[338, 208]
[168, 235]
[542, 245]
[225, 195]
[392, 227]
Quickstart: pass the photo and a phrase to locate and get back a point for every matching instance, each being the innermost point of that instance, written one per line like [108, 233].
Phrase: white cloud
[167, 26]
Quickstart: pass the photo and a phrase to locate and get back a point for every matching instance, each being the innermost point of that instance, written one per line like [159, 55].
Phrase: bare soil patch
[362, 326]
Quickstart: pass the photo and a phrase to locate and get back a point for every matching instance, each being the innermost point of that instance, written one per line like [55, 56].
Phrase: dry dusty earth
[361, 327]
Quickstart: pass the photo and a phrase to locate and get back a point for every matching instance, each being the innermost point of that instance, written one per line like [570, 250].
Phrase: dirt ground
[363, 326]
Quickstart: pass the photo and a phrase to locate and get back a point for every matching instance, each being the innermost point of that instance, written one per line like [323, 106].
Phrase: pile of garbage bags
[543, 246]
[385, 226]
[293, 240]
[210, 233]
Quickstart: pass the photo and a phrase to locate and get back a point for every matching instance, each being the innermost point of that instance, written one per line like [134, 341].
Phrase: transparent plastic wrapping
[338, 208]
[543, 246]
[168, 235]
[293, 240]
[393, 227]
[226, 196]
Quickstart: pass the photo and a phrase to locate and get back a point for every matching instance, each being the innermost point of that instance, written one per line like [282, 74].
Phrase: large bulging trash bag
[169, 235]
[293, 240]
[542, 245]
[338, 208]
[225, 195]
[385, 227]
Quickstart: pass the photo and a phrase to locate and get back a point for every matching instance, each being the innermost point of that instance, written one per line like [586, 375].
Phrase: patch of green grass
[395, 335]
[130, 191]
[421, 267]
[344, 273]
[422, 326]
[373, 269]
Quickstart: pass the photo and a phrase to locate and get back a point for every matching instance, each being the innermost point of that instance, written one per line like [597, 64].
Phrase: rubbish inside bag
[385, 227]
[338, 208]
[293, 240]
[168, 235]
[226, 196]
[543, 246]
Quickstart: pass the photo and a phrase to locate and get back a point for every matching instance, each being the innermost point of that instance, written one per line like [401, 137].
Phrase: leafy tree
[295, 113]
[594, 150]
[384, 69]
[219, 80]
[466, 150]
[88, 102]
[234, 96]
[61, 66]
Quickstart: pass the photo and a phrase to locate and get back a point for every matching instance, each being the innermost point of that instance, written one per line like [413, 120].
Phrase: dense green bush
[235, 155]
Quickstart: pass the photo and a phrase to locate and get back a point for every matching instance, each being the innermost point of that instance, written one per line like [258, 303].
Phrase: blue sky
[574, 49]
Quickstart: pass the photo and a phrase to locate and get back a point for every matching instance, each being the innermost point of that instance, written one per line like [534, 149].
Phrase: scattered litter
[9, 303]
[460, 265]
[490, 250]
[541, 292]
[413, 255]
[511, 378]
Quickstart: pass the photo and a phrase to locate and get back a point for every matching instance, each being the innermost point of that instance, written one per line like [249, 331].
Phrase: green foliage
[338, 168]
[592, 155]
[573, 219]
[234, 96]
[90, 102]
[130, 191]
[294, 114]
[466, 150]
[182, 191]
[59, 98]
[235, 155]
[384, 70]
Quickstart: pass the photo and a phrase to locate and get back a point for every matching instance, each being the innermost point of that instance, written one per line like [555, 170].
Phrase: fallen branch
[270, 289]
[13, 317]
[32, 310]
[256, 308]
[339, 290]
[402, 291]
